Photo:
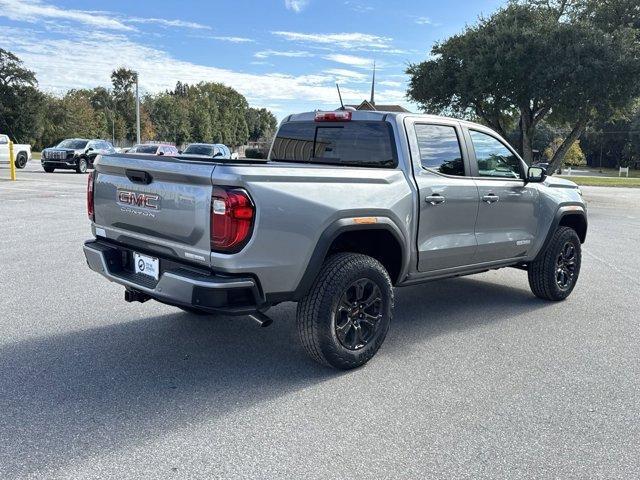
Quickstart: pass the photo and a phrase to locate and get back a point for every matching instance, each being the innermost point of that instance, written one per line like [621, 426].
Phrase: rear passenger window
[440, 149]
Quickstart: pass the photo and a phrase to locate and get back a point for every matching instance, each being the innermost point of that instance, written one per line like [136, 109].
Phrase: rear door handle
[491, 198]
[435, 199]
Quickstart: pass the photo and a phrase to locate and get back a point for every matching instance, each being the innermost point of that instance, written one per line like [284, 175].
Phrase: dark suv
[74, 154]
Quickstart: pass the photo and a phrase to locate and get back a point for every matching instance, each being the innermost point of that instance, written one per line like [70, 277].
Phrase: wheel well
[577, 222]
[379, 244]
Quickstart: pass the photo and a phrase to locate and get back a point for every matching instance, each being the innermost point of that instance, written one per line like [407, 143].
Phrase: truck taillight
[339, 116]
[232, 214]
[90, 209]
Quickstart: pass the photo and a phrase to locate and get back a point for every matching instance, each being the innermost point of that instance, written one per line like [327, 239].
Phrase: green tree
[123, 81]
[574, 157]
[170, 117]
[21, 102]
[530, 61]
[261, 123]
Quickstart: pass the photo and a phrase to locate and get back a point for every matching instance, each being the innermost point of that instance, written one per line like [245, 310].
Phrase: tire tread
[541, 272]
[326, 286]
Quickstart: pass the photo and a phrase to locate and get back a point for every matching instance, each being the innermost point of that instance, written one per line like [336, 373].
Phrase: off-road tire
[21, 160]
[49, 169]
[543, 271]
[82, 165]
[317, 312]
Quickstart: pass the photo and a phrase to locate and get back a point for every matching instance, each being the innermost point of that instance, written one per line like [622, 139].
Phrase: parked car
[211, 150]
[347, 206]
[74, 154]
[21, 152]
[154, 149]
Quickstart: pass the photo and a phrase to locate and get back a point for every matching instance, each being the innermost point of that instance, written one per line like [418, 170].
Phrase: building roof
[367, 105]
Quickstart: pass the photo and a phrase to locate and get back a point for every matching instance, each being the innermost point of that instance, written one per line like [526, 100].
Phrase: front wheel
[21, 160]
[81, 166]
[553, 275]
[344, 319]
[49, 169]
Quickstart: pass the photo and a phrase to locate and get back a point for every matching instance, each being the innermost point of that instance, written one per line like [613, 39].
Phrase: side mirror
[179, 152]
[160, 153]
[90, 149]
[536, 174]
[217, 154]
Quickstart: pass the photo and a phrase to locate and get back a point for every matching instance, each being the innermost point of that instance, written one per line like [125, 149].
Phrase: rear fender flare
[331, 233]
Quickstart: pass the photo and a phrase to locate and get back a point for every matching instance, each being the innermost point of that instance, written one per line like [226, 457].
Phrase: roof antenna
[340, 95]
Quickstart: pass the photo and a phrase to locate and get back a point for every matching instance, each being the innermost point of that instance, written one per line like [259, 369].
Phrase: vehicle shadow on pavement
[78, 394]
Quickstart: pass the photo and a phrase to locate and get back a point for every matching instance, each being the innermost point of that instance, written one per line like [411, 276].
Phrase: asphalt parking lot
[477, 377]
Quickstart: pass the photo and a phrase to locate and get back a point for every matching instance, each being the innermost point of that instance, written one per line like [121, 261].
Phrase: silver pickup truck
[348, 206]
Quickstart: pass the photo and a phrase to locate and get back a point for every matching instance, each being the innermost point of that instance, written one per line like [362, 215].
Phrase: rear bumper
[178, 284]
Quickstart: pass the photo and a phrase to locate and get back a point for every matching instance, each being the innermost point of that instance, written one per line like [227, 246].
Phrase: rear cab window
[352, 143]
[440, 149]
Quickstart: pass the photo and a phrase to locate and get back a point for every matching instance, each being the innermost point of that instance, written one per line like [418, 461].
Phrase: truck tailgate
[161, 204]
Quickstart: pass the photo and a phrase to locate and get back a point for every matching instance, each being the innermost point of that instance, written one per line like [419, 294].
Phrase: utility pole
[137, 110]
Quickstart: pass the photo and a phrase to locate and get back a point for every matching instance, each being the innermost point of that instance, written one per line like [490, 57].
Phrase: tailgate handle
[138, 176]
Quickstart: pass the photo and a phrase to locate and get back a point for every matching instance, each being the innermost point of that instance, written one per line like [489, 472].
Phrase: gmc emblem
[134, 199]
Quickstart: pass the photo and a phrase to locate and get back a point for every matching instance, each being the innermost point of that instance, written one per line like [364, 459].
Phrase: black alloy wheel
[358, 314]
[566, 266]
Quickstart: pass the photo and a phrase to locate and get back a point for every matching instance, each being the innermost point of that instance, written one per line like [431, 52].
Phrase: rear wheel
[81, 166]
[49, 169]
[553, 275]
[21, 160]
[344, 319]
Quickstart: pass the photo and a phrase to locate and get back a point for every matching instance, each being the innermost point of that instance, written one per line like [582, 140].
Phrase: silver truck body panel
[180, 221]
[296, 203]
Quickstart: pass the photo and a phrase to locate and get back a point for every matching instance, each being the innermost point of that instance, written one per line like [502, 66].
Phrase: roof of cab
[365, 115]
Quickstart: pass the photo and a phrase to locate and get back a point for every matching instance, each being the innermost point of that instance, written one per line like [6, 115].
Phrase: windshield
[75, 144]
[144, 149]
[357, 143]
[207, 150]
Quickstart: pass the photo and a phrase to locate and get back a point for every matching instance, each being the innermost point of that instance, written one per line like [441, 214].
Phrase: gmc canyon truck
[347, 206]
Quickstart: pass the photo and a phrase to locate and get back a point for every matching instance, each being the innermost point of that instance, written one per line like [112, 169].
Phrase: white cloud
[232, 39]
[278, 53]
[352, 60]
[344, 74]
[296, 5]
[170, 23]
[56, 62]
[358, 6]
[390, 83]
[34, 10]
[343, 40]
[426, 21]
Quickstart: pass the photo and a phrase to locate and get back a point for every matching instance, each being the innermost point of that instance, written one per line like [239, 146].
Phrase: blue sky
[285, 55]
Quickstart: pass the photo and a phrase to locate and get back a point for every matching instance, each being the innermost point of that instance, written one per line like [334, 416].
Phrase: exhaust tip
[261, 319]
